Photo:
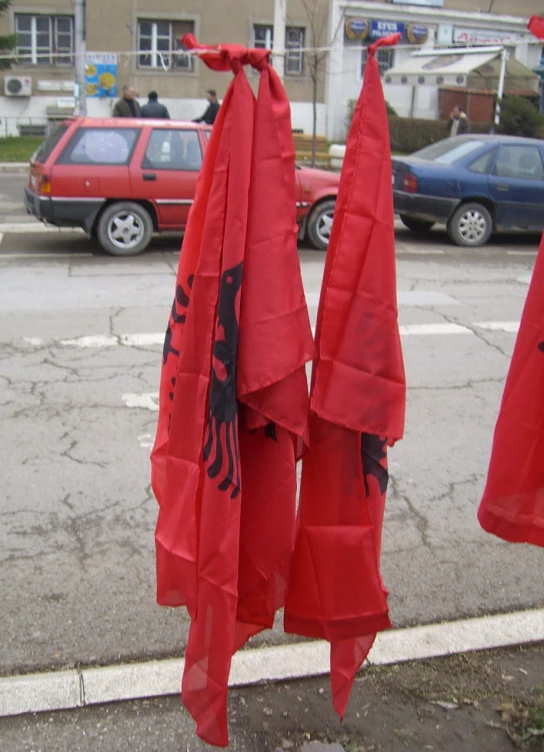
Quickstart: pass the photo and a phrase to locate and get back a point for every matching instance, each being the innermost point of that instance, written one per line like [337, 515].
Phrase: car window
[519, 161]
[483, 163]
[448, 150]
[173, 149]
[113, 146]
[46, 147]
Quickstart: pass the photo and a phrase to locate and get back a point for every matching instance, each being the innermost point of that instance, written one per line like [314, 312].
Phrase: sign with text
[482, 37]
[357, 28]
[101, 74]
[379, 29]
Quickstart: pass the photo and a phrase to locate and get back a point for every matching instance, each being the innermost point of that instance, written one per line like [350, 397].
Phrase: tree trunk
[314, 124]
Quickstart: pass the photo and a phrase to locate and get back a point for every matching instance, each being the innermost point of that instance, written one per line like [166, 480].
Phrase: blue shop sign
[379, 29]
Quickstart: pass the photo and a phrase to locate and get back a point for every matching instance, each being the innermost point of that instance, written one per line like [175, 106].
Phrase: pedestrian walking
[128, 106]
[154, 109]
[459, 122]
[212, 110]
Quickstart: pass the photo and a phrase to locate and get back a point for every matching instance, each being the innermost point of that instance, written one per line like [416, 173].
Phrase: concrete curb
[66, 690]
[33, 227]
[14, 167]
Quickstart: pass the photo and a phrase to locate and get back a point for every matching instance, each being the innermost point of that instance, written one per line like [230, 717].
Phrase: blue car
[474, 184]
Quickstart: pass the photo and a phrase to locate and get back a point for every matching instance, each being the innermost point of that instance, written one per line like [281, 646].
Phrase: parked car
[122, 179]
[474, 184]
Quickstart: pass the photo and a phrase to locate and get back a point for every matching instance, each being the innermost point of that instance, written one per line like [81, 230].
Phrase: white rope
[282, 53]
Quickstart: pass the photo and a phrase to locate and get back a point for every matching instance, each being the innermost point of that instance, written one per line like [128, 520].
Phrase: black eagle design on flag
[373, 451]
[221, 447]
[181, 300]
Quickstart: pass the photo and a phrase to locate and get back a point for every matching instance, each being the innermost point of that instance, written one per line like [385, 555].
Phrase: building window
[384, 57]
[263, 37]
[159, 45]
[45, 40]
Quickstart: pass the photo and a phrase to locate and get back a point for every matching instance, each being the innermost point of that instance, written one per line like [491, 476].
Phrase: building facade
[423, 24]
[138, 42]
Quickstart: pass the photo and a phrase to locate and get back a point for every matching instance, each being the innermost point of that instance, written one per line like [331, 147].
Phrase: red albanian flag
[536, 26]
[233, 397]
[357, 408]
[512, 506]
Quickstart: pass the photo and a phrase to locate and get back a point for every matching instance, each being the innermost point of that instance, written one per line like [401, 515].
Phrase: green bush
[351, 109]
[410, 134]
[519, 117]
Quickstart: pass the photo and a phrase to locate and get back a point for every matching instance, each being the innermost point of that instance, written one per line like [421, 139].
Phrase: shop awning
[478, 67]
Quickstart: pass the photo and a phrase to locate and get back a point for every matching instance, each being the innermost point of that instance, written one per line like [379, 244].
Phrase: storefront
[424, 25]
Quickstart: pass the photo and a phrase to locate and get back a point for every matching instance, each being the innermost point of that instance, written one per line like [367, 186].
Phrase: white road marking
[75, 688]
[31, 228]
[420, 251]
[91, 340]
[499, 326]
[33, 341]
[521, 253]
[156, 339]
[145, 400]
[142, 340]
[44, 256]
[440, 328]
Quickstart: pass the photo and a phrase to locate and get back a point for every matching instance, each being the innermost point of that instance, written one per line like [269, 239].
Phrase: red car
[122, 179]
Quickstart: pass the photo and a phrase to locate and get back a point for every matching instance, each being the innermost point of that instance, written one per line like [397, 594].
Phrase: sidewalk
[412, 695]
[489, 701]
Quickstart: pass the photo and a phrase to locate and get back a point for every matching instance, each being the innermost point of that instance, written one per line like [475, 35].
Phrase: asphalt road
[79, 415]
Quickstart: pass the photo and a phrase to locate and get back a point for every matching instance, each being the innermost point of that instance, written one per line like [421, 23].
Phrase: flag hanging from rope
[357, 407]
[233, 396]
[536, 26]
[512, 506]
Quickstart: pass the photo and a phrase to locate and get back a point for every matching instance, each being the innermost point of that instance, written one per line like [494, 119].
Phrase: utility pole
[80, 49]
[500, 89]
[278, 48]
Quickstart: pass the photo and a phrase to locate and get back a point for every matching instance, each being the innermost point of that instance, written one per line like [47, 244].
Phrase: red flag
[512, 506]
[536, 26]
[234, 398]
[357, 408]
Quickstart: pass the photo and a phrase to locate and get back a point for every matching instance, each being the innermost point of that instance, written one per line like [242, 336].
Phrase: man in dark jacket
[153, 108]
[127, 106]
[213, 108]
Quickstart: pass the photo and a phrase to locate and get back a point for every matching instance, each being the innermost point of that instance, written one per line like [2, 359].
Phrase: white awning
[453, 67]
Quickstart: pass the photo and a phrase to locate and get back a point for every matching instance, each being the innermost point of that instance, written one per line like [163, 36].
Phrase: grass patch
[18, 148]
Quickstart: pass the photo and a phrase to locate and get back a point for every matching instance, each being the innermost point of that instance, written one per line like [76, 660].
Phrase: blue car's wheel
[470, 225]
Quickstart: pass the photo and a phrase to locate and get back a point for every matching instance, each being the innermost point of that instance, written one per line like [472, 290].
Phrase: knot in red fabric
[221, 57]
[389, 41]
[259, 59]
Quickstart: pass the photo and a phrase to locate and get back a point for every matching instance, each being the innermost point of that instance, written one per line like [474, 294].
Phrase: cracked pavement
[77, 511]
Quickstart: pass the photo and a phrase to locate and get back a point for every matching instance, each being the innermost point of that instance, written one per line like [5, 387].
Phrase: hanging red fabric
[357, 408]
[233, 398]
[536, 26]
[512, 506]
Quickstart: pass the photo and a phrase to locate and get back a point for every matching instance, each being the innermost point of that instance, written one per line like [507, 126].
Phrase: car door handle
[502, 187]
[149, 176]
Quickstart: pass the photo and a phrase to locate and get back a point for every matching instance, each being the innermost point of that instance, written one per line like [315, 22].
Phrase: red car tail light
[43, 185]
[410, 183]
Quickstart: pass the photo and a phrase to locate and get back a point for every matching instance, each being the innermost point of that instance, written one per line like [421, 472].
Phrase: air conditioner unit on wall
[17, 86]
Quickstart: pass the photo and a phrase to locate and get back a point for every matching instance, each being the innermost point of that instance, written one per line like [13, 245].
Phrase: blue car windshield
[448, 151]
